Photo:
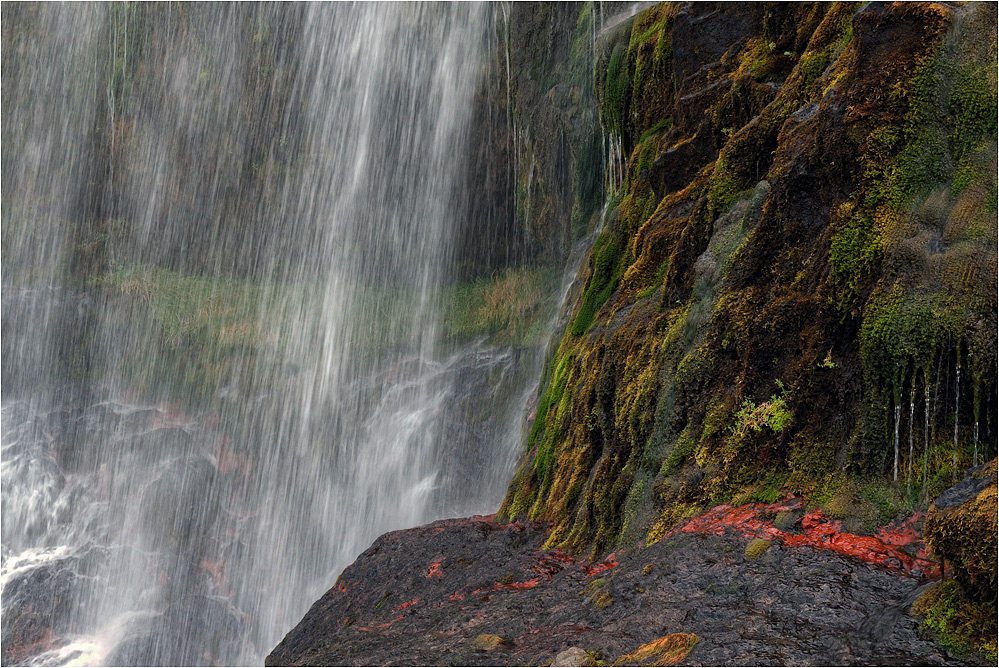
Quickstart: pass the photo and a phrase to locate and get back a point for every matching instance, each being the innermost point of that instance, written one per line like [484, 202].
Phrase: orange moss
[666, 651]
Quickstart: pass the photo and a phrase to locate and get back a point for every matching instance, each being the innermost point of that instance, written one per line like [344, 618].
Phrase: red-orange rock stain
[380, 626]
[436, 570]
[605, 565]
[407, 604]
[819, 531]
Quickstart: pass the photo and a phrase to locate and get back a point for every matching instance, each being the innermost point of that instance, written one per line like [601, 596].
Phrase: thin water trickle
[228, 229]
[898, 417]
[957, 410]
[912, 412]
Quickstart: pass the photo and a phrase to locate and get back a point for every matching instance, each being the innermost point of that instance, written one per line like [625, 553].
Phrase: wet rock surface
[473, 592]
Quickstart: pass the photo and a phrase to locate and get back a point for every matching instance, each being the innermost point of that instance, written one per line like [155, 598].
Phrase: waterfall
[226, 245]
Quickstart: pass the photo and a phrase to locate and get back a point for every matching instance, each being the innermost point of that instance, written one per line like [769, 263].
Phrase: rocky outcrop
[473, 592]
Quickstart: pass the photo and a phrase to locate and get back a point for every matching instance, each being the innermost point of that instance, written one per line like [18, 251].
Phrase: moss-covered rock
[961, 530]
[795, 288]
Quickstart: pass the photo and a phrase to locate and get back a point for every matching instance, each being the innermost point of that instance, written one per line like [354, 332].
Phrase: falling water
[912, 413]
[957, 408]
[898, 414]
[275, 186]
[977, 410]
[616, 159]
[926, 428]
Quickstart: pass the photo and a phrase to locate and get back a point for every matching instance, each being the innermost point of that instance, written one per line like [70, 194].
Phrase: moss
[602, 599]
[769, 490]
[965, 538]
[487, 642]
[668, 650]
[608, 267]
[756, 547]
[723, 190]
[966, 627]
[617, 88]
[192, 333]
[862, 504]
[773, 413]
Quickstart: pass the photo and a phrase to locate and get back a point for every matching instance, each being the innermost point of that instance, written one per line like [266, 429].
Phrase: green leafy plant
[773, 414]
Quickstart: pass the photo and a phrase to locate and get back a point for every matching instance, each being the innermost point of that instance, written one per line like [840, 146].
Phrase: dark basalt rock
[473, 592]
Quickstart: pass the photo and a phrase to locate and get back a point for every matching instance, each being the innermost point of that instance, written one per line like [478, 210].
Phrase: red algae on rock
[820, 532]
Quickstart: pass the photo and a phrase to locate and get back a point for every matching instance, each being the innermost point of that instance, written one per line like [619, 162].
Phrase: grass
[508, 308]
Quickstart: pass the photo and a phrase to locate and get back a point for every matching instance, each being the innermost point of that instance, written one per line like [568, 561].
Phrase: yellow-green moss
[966, 627]
[756, 547]
[487, 642]
[965, 538]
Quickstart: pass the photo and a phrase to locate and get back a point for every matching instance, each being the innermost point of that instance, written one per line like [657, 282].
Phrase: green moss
[657, 280]
[192, 333]
[812, 65]
[723, 190]
[616, 90]
[770, 490]
[608, 268]
[552, 397]
[964, 537]
[581, 50]
[684, 447]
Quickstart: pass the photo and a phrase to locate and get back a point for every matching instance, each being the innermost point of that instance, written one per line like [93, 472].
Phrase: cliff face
[795, 290]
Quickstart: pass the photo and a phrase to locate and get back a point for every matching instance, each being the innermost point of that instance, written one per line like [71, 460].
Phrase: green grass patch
[508, 308]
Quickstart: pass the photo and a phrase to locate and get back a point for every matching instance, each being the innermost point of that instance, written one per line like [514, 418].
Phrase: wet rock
[37, 605]
[179, 505]
[195, 630]
[423, 596]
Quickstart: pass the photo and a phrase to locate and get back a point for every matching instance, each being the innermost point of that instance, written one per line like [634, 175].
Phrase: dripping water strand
[926, 428]
[957, 407]
[912, 411]
[898, 413]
